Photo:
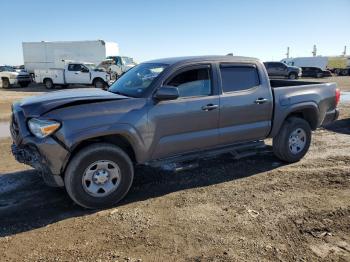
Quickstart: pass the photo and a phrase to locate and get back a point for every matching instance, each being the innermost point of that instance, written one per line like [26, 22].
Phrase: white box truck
[46, 55]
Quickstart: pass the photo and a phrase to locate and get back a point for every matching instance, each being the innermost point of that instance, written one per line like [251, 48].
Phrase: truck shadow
[26, 203]
[341, 126]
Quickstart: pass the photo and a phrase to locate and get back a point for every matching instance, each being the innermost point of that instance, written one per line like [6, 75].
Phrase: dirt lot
[253, 209]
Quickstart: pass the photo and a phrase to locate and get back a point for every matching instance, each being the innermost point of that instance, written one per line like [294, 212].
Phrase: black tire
[48, 83]
[24, 84]
[319, 75]
[99, 83]
[292, 76]
[6, 83]
[86, 157]
[281, 147]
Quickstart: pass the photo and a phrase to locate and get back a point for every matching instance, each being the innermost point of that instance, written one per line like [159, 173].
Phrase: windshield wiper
[119, 93]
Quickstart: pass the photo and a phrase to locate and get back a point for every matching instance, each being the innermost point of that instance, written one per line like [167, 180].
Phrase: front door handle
[209, 107]
[261, 101]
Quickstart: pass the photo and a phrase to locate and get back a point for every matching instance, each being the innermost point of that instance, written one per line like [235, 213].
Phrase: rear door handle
[261, 101]
[209, 107]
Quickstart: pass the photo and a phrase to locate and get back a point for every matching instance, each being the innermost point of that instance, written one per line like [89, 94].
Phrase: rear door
[246, 104]
[189, 123]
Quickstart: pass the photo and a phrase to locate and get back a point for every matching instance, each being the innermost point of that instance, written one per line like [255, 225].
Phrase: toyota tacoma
[165, 113]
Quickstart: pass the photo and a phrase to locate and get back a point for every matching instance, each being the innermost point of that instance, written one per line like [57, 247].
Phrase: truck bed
[315, 98]
[56, 74]
[276, 83]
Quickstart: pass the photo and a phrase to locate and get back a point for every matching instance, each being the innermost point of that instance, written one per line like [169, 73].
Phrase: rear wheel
[293, 140]
[48, 84]
[6, 83]
[99, 176]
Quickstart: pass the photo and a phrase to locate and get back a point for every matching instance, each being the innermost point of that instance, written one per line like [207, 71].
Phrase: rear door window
[237, 78]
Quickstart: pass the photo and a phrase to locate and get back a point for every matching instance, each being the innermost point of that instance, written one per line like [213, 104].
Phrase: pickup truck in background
[9, 77]
[165, 113]
[281, 70]
[315, 72]
[73, 73]
[117, 65]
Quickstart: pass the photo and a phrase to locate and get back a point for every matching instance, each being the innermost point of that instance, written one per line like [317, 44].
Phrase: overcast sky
[153, 29]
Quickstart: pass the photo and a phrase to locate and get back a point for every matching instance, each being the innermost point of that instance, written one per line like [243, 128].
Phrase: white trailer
[45, 55]
[313, 61]
[339, 65]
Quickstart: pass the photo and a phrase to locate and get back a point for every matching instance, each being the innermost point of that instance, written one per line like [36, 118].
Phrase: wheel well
[46, 78]
[307, 114]
[117, 140]
[97, 78]
[4, 78]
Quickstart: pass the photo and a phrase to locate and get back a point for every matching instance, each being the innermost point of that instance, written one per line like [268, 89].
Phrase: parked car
[281, 70]
[73, 73]
[315, 72]
[165, 113]
[9, 77]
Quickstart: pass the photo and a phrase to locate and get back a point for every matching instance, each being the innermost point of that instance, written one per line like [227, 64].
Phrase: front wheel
[99, 83]
[293, 76]
[99, 176]
[293, 140]
[319, 75]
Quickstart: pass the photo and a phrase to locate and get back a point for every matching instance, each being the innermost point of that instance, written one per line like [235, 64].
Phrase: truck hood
[22, 73]
[39, 105]
[295, 67]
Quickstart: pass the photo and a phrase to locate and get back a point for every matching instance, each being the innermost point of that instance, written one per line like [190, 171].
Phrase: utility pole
[344, 52]
[314, 51]
[287, 54]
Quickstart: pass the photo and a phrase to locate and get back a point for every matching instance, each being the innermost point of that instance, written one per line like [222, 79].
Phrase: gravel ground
[253, 209]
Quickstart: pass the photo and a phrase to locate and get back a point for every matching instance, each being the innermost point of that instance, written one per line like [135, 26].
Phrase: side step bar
[190, 160]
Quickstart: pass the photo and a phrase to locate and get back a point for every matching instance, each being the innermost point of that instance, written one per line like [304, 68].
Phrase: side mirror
[166, 93]
[84, 70]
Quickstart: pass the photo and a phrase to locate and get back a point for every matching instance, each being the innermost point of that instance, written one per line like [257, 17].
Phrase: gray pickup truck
[165, 113]
[281, 70]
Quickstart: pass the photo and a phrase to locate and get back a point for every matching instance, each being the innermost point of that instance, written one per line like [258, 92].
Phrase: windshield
[135, 82]
[90, 66]
[127, 60]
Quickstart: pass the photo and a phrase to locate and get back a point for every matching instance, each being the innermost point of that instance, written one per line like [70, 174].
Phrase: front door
[189, 123]
[245, 104]
[77, 74]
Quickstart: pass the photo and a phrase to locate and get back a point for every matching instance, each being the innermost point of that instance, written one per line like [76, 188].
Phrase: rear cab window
[238, 77]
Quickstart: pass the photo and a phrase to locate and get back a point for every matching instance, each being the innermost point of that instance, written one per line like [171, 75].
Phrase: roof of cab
[185, 59]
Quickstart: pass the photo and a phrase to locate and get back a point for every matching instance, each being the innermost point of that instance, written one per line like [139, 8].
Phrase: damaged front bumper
[45, 155]
[29, 155]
